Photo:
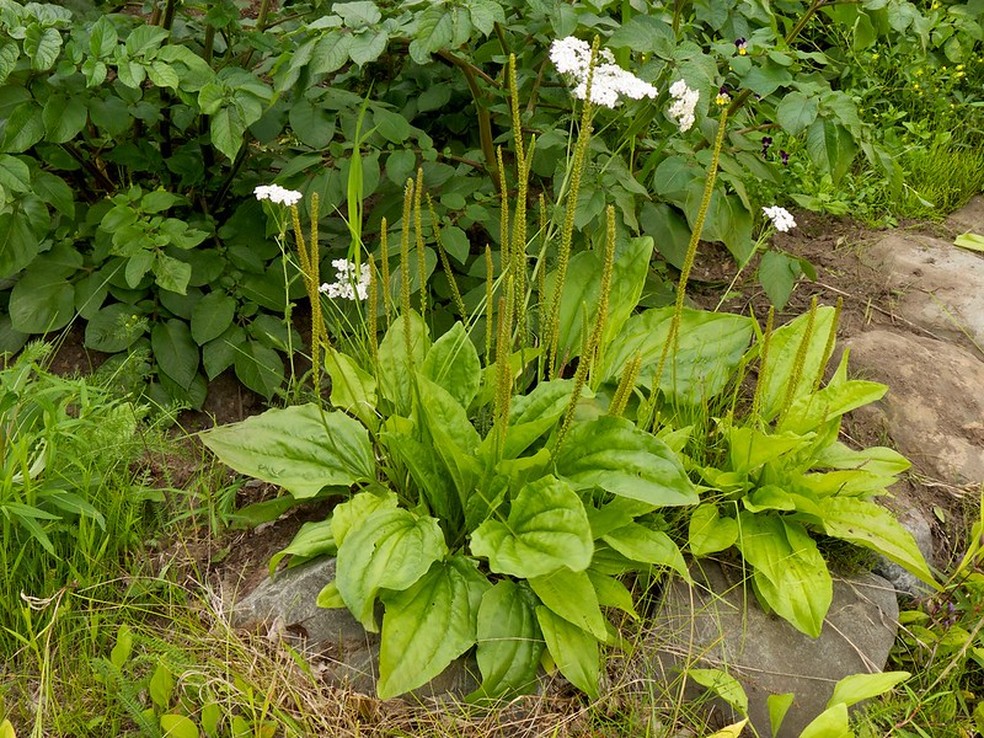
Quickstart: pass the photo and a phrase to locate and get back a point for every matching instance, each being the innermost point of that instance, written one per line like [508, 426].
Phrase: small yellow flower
[918, 72]
[960, 67]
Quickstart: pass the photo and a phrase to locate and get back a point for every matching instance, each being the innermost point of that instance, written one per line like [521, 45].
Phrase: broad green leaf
[54, 191]
[42, 45]
[313, 125]
[227, 129]
[639, 543]
[749, 448]
[509, 640]
[971, 241]
[790, 574]
[18, 243]
[455, 438]
[7, 729]
[615, 514]
[348, 515]
[644, 33]
[331, 53]
[709, 349]
[211, 316]
[315, 538]
[260, 368]
[452, 363]
[613, 454]
[210, 718]
[395, 370]
[612, 593]
[113, 328]
[769, 497]
[879, 460]
[780, 371]
[299, 448]
[391, 126]
[357, 14]
[178, 726]
[102, 38]
[532, 415]
[778, 705]
[735, 730]
[15, 175]
[831, 723]
[9, 54]
[330, 598]
[429, 625]
[161, 686]
[352, 389]
[547, 529]
[220, 353]
[574, 651]
[723, 685]
[853, 689]
[367, 46]
[777, 273]
[171, 274]
[796, 111]
[435, 31]
[813, 410]
[123, 647]
[870, 525]
[428, 471]
[63, 118]
[572, 596]
[709, 532]
[25, 127]
[391, 549]
[175, 351]
[831, 147]
[41, 301]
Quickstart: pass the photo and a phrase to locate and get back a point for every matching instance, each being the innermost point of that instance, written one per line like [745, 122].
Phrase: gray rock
[968, 218]
[718, 624]
[934, 410]
[939, 285]
[284, 607]
[914, 520]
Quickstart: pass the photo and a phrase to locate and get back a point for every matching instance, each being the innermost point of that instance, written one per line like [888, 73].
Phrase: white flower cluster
[781, 218]
[348, 285]
[572, 56]
[277, 194]
[684, 103]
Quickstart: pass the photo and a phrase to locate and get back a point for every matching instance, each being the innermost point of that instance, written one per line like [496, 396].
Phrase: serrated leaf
[299, 448]
[547, 528]
[429, 625]
[390, 549]
[509, 640]
[574, 651]
[612, 453]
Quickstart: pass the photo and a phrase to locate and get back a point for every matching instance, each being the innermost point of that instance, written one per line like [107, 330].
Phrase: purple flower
[741, 46]
[766, 143]
[784, 155]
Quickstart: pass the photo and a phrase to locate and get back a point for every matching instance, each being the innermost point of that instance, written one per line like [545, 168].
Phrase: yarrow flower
[572, 57]
[277, 194]
[684, 103]
[781, 218]
[347, 285]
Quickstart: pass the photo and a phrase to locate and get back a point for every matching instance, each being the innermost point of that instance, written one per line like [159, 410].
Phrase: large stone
[940, 286]
[934, 410]
[284, 607]
[718, 624]
[968, 218]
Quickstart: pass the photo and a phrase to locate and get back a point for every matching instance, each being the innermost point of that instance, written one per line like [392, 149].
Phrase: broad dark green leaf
[395, 371]
[15, 175]
[43, 300]
[42, 45]
[113, 328]
[831, 147]
[260, 368]
[796, 112]
[175, 351]
[24, 128]
[211, 316]
[299, 448]
[18, 243]
[63, 118]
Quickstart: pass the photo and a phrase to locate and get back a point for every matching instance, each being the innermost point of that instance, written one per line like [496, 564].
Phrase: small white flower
[684, 103]
[781, 218]
[277, 194]
[609, 82]
[347, 285]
